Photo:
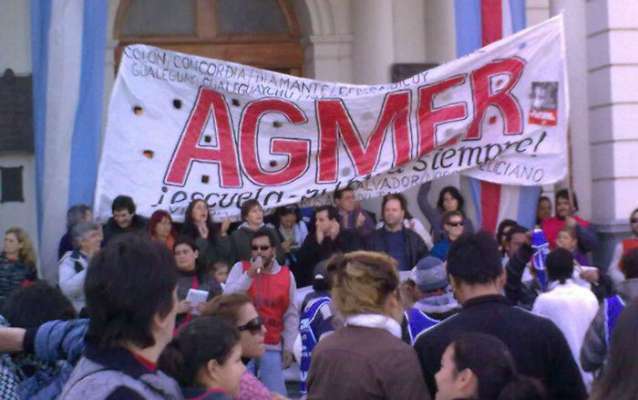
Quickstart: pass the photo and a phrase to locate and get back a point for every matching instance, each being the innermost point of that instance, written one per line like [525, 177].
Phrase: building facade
[355, 41]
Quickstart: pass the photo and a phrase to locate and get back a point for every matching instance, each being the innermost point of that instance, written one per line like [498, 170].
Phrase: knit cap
[430, 274]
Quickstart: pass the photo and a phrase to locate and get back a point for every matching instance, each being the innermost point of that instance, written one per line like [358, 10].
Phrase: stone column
[373, 41]
[612, 62]
[580, 178]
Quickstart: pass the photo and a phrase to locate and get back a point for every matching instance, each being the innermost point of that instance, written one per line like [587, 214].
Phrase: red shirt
[271, 297]
[551, 227]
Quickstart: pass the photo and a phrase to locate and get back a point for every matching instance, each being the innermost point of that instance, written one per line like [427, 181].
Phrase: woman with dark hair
[160, 228]
[543, 209]
[238, 309]
[213, 242]
[450, 199]
[501, 232]
[17, 262]
[192, 275]
[205, 359]
[292, 231]
[618, 380]
[366, 358]
[479, 366]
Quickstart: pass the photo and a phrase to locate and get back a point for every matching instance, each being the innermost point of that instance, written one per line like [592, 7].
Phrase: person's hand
[334, 230]
[184, 306]
[256, 265]
[287, 358]
[224, 228]
[200, 307]
[570, 222]
[203, 230]
[361, 219]
[590, 275]
[320, 236]
[286, 245]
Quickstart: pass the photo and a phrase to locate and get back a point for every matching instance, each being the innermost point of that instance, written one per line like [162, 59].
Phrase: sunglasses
[252, 326]
[633, 220]
[455, 223]
[262, 248]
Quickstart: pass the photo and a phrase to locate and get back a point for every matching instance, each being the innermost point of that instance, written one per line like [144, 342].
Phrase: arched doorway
[260, 33]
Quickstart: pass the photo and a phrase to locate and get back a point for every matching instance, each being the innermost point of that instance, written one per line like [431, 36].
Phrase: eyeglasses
[633, 220]
[252, 326]
[262, 248]
[455, 224]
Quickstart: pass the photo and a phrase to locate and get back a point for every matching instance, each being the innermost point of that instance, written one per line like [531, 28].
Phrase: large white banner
[182, 127]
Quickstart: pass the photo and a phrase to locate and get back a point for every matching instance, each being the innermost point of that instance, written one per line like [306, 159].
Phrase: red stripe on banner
[490, 205]
[492, 30]
[491, 20]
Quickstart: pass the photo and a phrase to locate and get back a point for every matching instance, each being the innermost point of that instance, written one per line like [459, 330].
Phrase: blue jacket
[53, 349]
[54, 341]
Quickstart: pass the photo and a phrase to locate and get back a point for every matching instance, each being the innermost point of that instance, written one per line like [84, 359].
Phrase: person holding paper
[272, 288]
[194, 285]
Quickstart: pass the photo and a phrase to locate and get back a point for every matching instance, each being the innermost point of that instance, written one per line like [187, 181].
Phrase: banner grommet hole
[207, 139]
[138, 110]
[177, 103]
[272, 163]
[205, 178]
[149, 154]
[277, 124]
[235, 102]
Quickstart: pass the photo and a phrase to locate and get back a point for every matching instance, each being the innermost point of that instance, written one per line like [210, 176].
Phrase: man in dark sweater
[328, 239]
[404, 245]
[537, 345]
[124, 219]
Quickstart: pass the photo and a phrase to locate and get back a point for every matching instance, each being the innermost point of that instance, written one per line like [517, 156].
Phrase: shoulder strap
[614, 305]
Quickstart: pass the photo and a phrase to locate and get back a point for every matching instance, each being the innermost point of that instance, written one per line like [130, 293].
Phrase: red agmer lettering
[188, 150]
[296, 150]
[503, 99]
[335, 123]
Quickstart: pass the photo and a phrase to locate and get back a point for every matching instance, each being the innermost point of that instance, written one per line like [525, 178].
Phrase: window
[11, 184]
[261, 33]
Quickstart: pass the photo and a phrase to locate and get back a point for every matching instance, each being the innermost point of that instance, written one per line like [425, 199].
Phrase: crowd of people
[356, 307]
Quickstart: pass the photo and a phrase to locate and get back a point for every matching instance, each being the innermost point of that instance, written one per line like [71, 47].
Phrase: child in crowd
[219, 270]
[584, 273]
[568, 240]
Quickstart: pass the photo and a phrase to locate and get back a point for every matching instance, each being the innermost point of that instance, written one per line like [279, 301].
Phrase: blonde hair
[362, 281]
[27, 253]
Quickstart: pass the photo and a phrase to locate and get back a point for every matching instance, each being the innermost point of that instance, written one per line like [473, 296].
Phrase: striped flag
[479, 23]
[68, 44]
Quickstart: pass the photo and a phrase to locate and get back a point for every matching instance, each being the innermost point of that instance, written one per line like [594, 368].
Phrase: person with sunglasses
[453, 227]
[623, 247]
[272, 288]
[238, 309]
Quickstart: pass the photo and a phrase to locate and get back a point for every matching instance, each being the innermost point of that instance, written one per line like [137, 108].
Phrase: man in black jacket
[537, 345]
[404, 245]
[327, 239]
[124, 219]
